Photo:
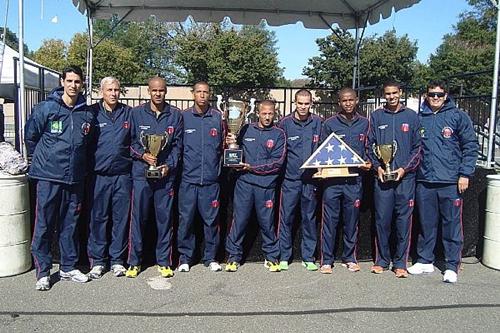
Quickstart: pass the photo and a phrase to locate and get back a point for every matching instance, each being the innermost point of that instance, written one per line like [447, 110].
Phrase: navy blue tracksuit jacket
[203, 139]
[302, 139]
[343, 194]
[264, 149]
[159, 192]
[110, 186]
[395, 198]
[450, 151]
[58, 137]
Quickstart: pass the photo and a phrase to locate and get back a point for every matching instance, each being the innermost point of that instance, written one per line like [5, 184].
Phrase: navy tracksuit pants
[109, 202]
[343, 194]
[205, 200]
[160, 194]
[394, 199]
[57, 205]
[440, 202]
[293, 193]
[247, 196]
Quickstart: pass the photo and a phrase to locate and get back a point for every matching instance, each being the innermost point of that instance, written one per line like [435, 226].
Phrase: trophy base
[334, 172]
[390, 177]
[153, 174]
[233, 158]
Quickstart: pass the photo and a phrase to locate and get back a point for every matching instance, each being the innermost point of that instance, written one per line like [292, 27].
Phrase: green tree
[149, 42]
[225, 56]
[381, 58]
[470, 48]
[52, 54]
[109, 59]
[12, 40]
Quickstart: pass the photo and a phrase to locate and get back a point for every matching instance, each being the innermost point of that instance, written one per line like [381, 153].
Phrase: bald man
[160, 118]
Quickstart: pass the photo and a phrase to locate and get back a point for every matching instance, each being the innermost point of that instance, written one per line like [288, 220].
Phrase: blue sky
[426, 22]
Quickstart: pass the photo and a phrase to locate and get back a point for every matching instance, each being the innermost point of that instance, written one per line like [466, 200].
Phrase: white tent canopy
[31, 74]
[348, 14]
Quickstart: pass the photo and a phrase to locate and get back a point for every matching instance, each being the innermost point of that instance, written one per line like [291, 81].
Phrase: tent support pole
[90, 57]
[21, 97]
[490, 163]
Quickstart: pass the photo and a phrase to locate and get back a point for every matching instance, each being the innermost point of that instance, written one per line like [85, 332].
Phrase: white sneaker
[215, 266]
[118, 270]
[450, 276]
[74, 275]
[43, 283]
[184, 268]
[96, 272]
[420, 268]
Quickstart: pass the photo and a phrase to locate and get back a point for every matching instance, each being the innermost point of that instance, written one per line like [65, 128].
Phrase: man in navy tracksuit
[154, 117]
[204, 133]
[398, 125]
[58, 135]
[110, 183]
[450, 151]
[343, 194]
[302, 130]
[264, 149]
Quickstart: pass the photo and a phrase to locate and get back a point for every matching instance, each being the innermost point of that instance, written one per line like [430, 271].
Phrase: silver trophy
[153, 144]
[385, 153]
[235, 114]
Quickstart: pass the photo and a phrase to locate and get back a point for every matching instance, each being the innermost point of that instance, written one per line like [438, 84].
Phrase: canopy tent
[32, 75]
[313, 13]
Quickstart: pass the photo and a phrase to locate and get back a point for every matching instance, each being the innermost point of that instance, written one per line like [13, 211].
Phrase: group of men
[97, 152]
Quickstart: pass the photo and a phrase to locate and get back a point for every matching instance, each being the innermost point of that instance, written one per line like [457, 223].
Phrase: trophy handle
[220, 103]
[252, 109]
[141, 140]
[395, 147]
[375, 150]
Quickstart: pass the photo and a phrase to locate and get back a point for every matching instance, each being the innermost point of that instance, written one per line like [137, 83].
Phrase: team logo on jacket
[357, 203]
[213, 132]
[315, 138]
[126, 125]
[457, 202]
[215, 203]
[447, 132]
[85, 128]
[270, 143]
[405, 127]
[362, 137]
[269, 204]
[411, 203]
[170, 130]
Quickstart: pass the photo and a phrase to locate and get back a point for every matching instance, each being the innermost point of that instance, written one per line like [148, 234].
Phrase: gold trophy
[385, 153]
[153, 144]
[235, 115]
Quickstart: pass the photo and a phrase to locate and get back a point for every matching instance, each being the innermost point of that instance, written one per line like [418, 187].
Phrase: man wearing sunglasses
[450, 150]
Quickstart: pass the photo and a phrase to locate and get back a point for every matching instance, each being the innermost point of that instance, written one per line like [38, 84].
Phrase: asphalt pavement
[255, 300]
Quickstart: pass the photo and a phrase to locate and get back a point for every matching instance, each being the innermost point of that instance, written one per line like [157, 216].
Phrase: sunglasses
[435, 94]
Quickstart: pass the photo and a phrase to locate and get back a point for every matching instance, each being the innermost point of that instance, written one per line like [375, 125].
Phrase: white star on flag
[342, 147]
[342, 160]
[329, 148]
[317, 163]
[329, 161]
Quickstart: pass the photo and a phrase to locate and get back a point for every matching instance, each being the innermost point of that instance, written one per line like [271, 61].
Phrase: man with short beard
[155, 117]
